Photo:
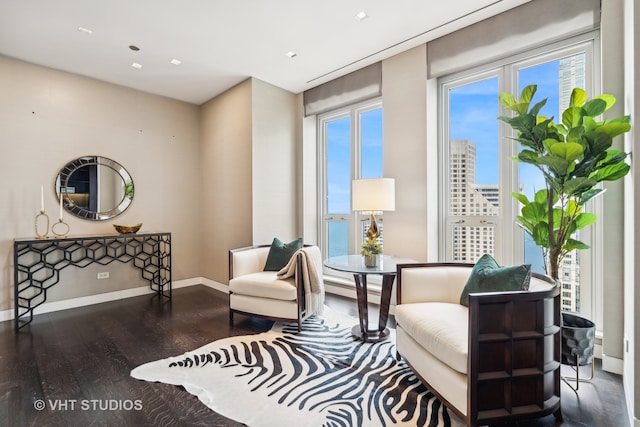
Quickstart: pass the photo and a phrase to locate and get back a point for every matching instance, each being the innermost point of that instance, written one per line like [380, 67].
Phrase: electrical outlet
[104, 275]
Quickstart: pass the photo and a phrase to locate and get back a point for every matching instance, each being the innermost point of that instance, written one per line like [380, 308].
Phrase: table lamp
[373, 194]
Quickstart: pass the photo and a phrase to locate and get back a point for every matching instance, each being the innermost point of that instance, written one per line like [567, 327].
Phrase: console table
[387, 269]
[38, 262]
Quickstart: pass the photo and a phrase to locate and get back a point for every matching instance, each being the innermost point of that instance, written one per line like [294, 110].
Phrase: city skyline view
[473, 117]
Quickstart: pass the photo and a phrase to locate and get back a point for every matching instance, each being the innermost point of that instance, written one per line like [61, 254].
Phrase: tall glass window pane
[473, 168]
[339, 166]
[371, 140]
[352, 149]
[338, 232]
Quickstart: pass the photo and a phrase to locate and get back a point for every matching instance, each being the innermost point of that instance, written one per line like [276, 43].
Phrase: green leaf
[578, 97]
[614, 129]
[579, 185]
[589, 123]
[523, 123]
[598, 142]
[585, 219]
[595, 107]
[609, 99]
[521, 198]
[590, 194]
[557, 164]
[528, 156]
[548, 143]
[572, 117]
[527, 94]
[573, 244]
[534, 212]
[527, 225]
[541, 197]
[569, 151]
[573, 208]
[612, 157]
[537, 107]
[507, 100]
[575, 134]
[611, 172]
[540, 234]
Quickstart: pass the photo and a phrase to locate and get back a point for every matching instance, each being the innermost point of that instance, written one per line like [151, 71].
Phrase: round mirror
[94, 187]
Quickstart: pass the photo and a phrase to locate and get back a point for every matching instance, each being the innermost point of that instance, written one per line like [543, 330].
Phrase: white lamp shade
[375, 194]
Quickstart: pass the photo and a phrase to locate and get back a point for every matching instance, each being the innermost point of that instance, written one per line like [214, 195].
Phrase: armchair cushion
[488, 276]
[441, 328]
[264, 284]
[280, 253]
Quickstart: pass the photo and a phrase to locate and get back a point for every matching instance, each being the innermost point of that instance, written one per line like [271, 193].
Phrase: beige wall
[404, 80]
[48, 118]
[227, 176]
[249, 169]
[274, 157]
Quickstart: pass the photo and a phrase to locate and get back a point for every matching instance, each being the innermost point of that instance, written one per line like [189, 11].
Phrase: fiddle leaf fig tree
[574, 156]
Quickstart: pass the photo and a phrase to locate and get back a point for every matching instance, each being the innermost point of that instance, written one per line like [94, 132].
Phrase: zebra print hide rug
[322, 376]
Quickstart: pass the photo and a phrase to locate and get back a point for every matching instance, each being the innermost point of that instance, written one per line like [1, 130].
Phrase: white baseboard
[213, 284]
[49, 307]
[351, 293]
[612, 364]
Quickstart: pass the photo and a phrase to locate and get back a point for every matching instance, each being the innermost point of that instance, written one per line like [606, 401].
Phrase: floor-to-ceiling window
[477, 167]
[351, 148]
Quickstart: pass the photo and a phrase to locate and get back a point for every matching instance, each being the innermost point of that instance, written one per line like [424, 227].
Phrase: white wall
[50, 117]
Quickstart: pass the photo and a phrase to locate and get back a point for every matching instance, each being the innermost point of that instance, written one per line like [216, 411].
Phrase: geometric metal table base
[38, 263]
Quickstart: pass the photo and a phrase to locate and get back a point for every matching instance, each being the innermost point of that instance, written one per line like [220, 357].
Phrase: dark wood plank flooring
[84, 356]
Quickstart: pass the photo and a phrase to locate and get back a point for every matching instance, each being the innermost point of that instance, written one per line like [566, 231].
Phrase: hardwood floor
[83, 356]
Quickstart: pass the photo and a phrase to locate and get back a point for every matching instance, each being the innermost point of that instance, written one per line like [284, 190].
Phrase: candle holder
[42, 221]
[60, 229]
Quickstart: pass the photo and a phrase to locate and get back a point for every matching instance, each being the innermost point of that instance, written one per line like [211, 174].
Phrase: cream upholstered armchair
[274, 294]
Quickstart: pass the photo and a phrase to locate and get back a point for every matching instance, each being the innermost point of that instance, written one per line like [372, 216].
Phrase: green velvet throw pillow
[280, 253]
[488, 276]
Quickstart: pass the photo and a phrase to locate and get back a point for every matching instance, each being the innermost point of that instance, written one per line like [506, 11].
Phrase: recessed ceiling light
[291, 54]
[176, 62]
[361, 16]
[85, 30]
[136, 65]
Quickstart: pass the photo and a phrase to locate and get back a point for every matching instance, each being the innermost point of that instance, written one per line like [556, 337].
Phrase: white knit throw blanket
[311, 277]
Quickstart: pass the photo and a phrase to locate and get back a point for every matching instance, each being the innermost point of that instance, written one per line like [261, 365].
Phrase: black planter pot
[578, 339]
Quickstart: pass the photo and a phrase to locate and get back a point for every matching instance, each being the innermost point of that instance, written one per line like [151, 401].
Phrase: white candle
[61, 206]
[42, 198]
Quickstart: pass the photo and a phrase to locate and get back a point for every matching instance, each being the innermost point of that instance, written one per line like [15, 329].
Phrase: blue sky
[474, 112]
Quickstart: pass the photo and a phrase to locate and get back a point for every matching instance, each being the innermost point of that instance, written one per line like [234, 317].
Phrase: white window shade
[530, 25]
[352, 88]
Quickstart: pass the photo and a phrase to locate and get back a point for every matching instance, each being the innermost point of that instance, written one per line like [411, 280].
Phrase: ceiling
[223, 42]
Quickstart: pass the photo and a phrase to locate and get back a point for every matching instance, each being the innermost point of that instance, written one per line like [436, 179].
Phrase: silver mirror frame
[62, 181]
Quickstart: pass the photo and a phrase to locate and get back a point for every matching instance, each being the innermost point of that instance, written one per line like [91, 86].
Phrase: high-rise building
[470, 242]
